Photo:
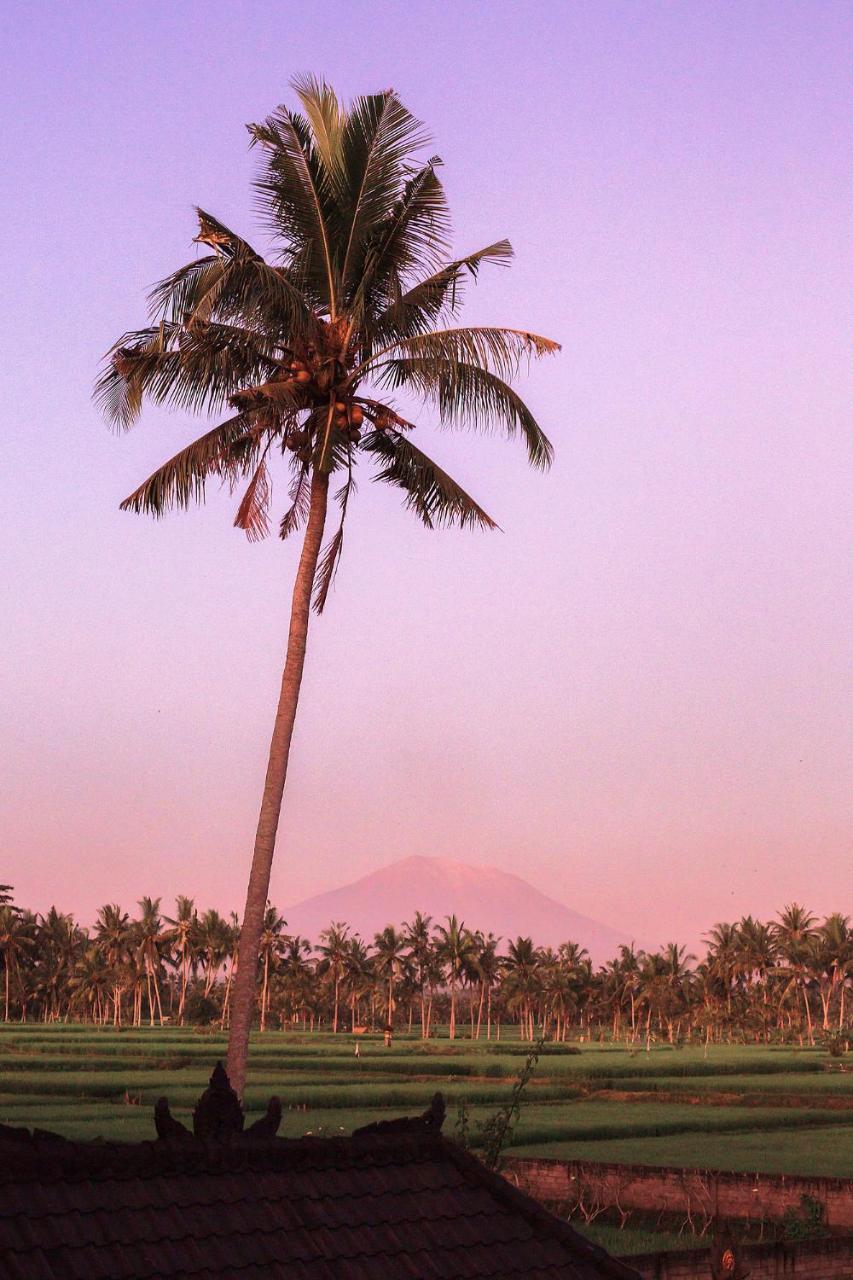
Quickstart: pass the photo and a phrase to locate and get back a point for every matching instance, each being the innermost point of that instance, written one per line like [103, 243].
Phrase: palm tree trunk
[223, 1019]
[243, 1001]
[808, 1014]
[185, 980]
[265, 989]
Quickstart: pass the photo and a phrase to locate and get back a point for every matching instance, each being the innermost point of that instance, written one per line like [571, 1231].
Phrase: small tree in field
[305, 350]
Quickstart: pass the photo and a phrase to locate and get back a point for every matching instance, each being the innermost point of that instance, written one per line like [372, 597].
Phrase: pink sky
[638, 695]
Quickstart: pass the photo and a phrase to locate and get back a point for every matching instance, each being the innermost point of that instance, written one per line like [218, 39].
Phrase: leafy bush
[200, 1010]
[807, 1223]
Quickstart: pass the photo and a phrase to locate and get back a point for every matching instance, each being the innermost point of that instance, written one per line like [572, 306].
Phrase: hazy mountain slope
[484, 897]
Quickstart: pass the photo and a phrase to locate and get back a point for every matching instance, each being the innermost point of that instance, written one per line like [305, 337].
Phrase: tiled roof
[376, 1206]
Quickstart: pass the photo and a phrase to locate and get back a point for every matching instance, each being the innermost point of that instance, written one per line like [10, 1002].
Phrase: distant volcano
[483, 897]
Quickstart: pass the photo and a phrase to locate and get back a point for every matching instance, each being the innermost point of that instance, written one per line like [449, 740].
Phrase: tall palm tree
[389, 958]
[420, 954]
[333, 949]
[724, 960]
[113, 937]
[795, 933]
[90, 983]
[455, 949]
[488, 966]
[833, 953]
[558, 991]
[232, 959]
[357, 975]
[307, 349]
[151, 938]
[183, 936]
[629, 964]
[298, 973]
[271, 941]
[60, 943]
[522, 981]
[677, 965]
[213, 941]
[16, 939]
[756, 954]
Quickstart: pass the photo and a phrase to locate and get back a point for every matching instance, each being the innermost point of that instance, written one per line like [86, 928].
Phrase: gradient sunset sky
[638, 694]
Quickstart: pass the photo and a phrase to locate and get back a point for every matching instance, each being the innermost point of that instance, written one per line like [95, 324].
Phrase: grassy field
[756, 1109]
[626, 1242]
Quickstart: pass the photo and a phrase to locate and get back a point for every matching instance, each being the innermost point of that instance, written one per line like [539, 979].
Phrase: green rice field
[743, 1108]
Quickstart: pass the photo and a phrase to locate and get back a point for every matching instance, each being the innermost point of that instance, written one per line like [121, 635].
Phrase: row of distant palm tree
[788, 978]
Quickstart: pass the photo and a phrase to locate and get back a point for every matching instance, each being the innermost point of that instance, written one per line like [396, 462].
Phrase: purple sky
[638, 695]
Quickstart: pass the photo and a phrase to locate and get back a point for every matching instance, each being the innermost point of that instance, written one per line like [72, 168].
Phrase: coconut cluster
[313, 378]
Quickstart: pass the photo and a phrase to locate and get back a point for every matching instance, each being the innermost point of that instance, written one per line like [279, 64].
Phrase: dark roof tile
[382, 1206]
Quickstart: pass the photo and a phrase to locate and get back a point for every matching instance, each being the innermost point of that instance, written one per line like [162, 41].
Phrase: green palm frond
[181, 292]
[233, 445]
[412, 239]
[233, 284]
[194, 367]
[379, 136]
[469, 395]
[430, 492]
[295, 192]
[326, 116]
[413, 311]
[501, 350]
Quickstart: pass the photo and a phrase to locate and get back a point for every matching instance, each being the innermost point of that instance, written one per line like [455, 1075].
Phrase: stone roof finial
[267, 1126]
[218, 1114]
[168, 1128]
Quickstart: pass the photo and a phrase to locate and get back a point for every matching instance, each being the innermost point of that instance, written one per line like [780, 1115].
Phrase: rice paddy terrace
[772, 1110]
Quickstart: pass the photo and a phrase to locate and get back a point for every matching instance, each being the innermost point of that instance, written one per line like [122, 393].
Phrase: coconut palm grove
[787, 981]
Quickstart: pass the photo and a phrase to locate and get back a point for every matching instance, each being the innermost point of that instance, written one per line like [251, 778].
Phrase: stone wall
[830, 1259]
[699, 1194]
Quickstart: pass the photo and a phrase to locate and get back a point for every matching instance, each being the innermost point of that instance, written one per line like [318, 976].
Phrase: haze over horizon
[637, 696]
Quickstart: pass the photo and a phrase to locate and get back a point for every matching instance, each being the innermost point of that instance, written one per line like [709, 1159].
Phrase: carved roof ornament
[430, 1120]
[168, 1128]
[267, 1126]
[218, 1114]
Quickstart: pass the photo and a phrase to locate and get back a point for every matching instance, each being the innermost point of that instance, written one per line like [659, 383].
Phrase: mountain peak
[484, 897]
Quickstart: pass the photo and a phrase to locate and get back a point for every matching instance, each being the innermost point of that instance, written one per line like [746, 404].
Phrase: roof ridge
[536, 1213]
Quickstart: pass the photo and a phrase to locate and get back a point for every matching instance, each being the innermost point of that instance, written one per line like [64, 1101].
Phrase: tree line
[788, 979]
